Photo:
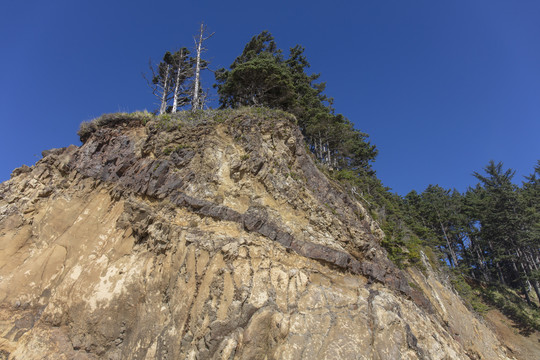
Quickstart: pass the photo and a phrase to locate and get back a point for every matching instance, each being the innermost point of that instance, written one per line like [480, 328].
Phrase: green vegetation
[489, 234]
[186, 118]
[487, 239]
[169, 80]
[512, 305]
[180, 119]
[262, 76]
[170, 149]
[401, 241]
[87, 128]
[471, 294]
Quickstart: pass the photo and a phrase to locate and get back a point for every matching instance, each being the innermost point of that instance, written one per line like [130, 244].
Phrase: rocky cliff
[209, 237]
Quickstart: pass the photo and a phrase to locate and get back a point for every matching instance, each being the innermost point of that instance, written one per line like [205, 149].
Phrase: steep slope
[212, 236]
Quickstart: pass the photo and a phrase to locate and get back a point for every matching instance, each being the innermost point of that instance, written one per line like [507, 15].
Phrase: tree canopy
[490, 233]
[262, 76]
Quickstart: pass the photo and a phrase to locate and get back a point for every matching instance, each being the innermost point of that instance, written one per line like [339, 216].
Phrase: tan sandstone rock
[229, 245]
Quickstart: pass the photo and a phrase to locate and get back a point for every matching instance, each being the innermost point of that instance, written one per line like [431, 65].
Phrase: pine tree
[501, 226]
[261, 76]
[530, 250]
[257, 77]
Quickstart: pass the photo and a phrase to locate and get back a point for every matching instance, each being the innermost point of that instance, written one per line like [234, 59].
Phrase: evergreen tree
[257, 77]
[261, 76]
[501, 226]
[530, 250]
[436, 216]
[261, 81]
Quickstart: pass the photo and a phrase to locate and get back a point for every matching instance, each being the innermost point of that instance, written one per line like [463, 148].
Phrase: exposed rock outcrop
[216, 240]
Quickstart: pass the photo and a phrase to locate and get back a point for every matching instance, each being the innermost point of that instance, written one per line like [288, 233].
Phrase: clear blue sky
[442, 87]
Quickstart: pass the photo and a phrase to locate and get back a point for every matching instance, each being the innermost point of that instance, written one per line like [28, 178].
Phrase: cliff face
[218, 239]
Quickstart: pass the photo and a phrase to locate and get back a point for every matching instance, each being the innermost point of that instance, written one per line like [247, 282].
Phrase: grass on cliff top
[87, 128]
[169, 122]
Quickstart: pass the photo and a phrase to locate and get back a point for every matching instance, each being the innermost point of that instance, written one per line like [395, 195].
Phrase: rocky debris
[215, 241]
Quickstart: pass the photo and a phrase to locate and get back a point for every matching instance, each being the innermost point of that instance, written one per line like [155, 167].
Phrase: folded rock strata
[216, 240]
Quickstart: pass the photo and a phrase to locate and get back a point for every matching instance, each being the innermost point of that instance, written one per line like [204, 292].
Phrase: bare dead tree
[197, 101]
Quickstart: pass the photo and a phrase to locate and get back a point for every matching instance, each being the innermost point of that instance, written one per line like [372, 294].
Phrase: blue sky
[441, 87]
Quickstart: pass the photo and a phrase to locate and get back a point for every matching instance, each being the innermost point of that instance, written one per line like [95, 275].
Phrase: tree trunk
[522, 284]
[195, 101]
[454, 257]
[320, 149]
[329, 155]
[163, 106]
[177, 85]
[482, 264]
[531, 266]
[497, 266]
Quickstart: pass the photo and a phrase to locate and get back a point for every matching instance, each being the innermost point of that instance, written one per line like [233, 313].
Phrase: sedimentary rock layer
[215, 240]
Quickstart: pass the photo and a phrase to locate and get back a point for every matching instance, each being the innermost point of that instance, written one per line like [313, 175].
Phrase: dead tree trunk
[196, 103]
[177, 83]
[163, 106]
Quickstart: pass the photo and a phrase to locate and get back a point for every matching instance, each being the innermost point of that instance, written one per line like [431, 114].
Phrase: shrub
[470, 295]
[137, 118]
[86, 129]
